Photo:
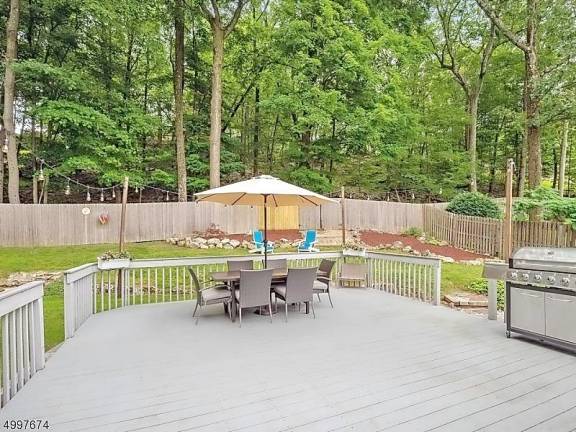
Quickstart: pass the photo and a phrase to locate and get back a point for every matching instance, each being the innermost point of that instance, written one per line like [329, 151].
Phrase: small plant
[413, 232]
[109, 255]
[353, 246]
[480, 286]
[474, 204]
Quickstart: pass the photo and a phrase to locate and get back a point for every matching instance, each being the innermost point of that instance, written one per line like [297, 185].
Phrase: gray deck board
[375, 362]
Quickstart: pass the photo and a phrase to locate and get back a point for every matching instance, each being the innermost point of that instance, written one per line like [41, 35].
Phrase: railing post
[494, 271]
[38, 311]
[492, 299]
[437, 283]
[69, 309]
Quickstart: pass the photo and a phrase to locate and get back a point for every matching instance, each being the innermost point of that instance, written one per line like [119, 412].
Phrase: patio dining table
[232, 279]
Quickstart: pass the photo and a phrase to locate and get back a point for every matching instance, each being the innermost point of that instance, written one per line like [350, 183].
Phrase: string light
[69, 180]
[413, 197]
[101, 195]
[5, 147]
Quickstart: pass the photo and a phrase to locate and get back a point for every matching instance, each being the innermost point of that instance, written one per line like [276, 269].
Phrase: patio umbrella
[265, 191]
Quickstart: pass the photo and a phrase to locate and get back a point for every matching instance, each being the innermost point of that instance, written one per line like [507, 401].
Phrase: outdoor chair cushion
[211, 294]
[320, 286]
[280, 290]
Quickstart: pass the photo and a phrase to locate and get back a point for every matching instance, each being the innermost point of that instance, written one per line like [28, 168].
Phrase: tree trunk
[532, 127]
[179, 100]
[472, 132]
[9, 84]
[2, 155]
[563, 148]
[216, 105]
[256, 143]
[555, 168]
[492, 183]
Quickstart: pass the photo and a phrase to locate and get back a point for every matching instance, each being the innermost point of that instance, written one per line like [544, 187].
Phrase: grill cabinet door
[561, 317]
[527, 310]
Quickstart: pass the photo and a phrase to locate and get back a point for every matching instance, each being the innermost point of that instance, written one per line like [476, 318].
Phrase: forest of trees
[394, 99]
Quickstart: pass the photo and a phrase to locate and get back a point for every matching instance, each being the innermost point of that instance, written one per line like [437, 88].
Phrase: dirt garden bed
[379, 239]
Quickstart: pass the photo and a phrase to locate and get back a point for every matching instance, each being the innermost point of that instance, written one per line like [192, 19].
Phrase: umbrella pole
[265, 232]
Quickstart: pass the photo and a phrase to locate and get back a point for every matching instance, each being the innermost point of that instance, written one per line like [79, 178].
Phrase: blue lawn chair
[258, 240]
[307, 245]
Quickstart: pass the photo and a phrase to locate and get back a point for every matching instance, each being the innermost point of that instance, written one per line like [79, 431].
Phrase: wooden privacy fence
[484, 235]
[64, 224]
[67, 224]
[391, 217]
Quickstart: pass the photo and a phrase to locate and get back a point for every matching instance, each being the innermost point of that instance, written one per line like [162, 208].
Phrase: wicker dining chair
[254, 290]
[322, 283]
[298, 288]
[209, 295]
[280, 263]
[353, 273]
[234, 265]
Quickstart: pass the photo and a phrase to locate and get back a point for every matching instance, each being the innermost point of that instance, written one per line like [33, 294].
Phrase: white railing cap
[79, 272]
[13, 298]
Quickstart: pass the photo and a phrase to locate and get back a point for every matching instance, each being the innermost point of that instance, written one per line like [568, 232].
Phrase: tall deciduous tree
[463, 44]
[9, 90]
[220, 31]
[179, 99]
[528, 45]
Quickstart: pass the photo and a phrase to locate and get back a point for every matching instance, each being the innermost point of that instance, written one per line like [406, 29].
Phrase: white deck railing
[88, 290]
[22, 316]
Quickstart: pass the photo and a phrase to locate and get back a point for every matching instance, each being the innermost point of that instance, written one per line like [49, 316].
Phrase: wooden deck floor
[375, 362]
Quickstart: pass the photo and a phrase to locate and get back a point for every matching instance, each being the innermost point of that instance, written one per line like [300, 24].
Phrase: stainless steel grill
[553, 267]
[541, 295]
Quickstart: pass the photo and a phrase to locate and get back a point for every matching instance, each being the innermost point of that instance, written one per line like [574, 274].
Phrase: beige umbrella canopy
[266, 191]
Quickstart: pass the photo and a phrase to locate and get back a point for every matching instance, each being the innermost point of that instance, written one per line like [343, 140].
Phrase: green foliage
[111, 255]
[322, 93]
[553, 206]
[474, 204]
[480, 286]
[412, 232]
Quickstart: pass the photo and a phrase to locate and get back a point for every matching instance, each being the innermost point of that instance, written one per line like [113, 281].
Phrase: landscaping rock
[474, 262]
[225, 241]
[234, 243]
[446, 259]
[21, 278]
[200, 240]
[213, 241]
[397, 245]
[416, 253]
[407, 249]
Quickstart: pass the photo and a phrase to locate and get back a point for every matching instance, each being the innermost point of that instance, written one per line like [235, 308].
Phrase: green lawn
[455, 277]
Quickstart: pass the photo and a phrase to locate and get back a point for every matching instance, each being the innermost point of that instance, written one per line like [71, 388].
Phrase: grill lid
[546, 259]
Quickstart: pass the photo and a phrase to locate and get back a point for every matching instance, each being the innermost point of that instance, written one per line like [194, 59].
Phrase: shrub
[412, 232]
[474, 204]
[553, 206]
[480, 286]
